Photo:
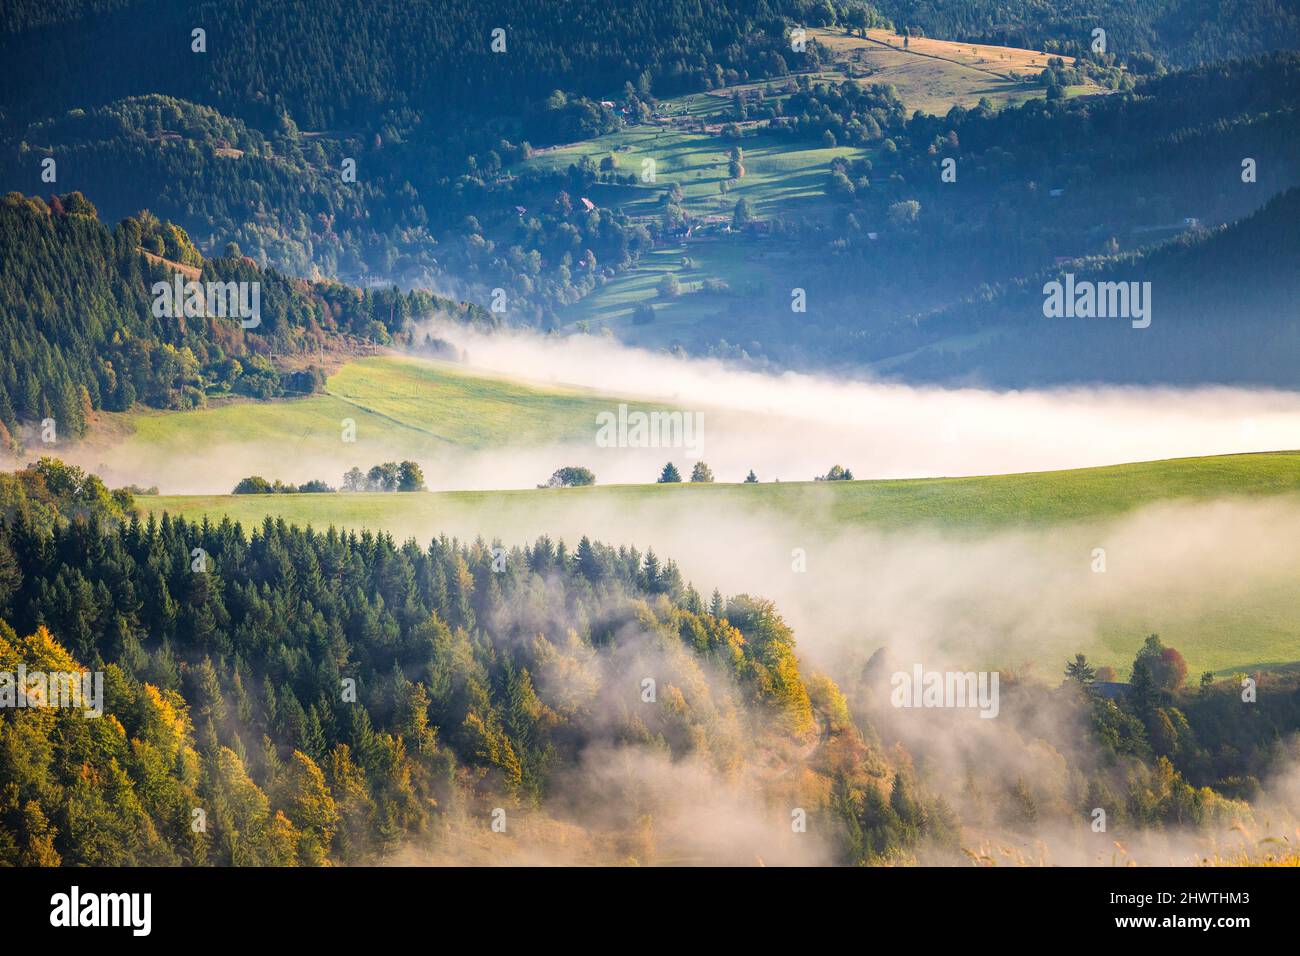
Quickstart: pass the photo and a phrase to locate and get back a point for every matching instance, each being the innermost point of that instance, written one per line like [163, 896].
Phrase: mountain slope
[79, 327]
[1225, 308]
[330, 64]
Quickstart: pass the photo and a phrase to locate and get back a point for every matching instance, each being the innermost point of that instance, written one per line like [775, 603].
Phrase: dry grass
[935, 75]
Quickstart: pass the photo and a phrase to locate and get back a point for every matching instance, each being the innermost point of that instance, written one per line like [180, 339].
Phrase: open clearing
[782, 177]
[935, 75]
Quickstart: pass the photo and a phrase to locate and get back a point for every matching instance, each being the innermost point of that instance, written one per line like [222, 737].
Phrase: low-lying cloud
[787, 427]
[793, 426]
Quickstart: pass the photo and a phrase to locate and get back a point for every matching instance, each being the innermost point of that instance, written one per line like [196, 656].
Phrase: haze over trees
[346, 696]
[222, 682]
[390, 476]
[335, 697]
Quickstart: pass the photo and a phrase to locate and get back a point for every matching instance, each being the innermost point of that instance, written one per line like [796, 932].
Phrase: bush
[904, 213]
[257, 485]
[253, 485]
[410, 477]
[570, 476]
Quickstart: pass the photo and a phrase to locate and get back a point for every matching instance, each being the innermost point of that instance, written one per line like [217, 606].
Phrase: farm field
[780, 177]
[778, 170]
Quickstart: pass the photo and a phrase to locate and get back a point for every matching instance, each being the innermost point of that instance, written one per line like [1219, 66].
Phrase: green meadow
[781, 177]
[399, 406]
[979, 504]
[1251, 628]
[778, 170]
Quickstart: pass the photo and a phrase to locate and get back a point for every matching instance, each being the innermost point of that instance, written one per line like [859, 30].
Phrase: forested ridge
[339, 697]
[227, 688]
[282, 199]
[1107, 179]
[330, 64]
[1102, 175]
[78, 330]
[413, 94]
[1247, 270]
[406, 55]
[1175, 32]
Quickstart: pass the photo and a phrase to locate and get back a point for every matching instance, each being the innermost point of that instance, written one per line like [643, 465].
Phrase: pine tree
[1080, 671]
[313, 743]
[589, 565]
[650, 575]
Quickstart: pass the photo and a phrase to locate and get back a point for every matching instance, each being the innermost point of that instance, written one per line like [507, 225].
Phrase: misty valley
[732, 433]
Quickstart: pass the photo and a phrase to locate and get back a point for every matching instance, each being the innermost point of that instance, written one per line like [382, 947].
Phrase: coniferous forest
[343, 697]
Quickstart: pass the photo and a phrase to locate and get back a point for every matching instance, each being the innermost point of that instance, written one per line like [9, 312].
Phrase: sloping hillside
[80, 329]
[1224, 307]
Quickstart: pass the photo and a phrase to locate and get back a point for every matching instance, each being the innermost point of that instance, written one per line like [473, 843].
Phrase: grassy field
[778, 170]
[975, 504]
[782, 177]
[1223, 627]
[935, 75]
[685, 318]
[928, 75]
[1226, 628]
[401, 408]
